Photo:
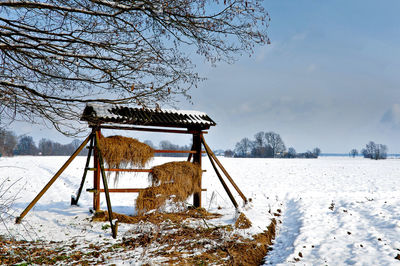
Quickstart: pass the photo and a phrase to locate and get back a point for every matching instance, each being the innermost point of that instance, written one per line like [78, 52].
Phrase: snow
[103, 111]
[333, 210]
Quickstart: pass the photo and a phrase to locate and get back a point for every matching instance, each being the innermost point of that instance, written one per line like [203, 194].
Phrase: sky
[329, 79]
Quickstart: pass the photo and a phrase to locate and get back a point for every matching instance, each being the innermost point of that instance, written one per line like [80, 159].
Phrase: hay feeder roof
[103, 114]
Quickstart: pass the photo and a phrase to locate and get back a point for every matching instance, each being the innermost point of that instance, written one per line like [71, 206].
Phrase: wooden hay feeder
[120, 153]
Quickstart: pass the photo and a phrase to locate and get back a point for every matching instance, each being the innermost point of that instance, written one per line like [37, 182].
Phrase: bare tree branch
[57, 55]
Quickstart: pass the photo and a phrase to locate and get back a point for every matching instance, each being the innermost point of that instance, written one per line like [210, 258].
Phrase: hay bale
[186, 174]
[180, 179]
[120, 152]
[150, 198]
[242, 222]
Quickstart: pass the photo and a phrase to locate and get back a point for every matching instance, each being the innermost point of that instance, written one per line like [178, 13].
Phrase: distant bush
[375, 151]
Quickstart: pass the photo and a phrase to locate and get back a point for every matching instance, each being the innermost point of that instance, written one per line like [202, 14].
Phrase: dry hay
[176, 179]
[218, 245]
[242, 222]
[179, 244]
[253, 252]
[155, 217]
[120, 152]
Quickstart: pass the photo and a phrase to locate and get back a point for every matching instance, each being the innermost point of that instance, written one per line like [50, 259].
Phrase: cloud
[299, 36]
[392, 116]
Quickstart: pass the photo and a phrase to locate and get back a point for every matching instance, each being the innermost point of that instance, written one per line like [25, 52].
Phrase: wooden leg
[114, 227]
[222, 181]
[96, 175]
[223, 169]
[197, 160]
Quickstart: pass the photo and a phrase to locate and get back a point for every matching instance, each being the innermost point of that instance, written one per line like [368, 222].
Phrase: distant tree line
[167, 145]
[11, 145]
[267, 145]
[372, 150]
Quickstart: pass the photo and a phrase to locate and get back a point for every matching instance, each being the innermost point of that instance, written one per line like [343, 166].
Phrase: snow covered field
[334, 210]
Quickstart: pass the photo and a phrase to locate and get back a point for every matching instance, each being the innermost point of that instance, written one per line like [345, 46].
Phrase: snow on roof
[106, 113]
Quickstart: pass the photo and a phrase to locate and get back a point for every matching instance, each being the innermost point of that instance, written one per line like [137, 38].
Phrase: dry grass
[155, 217]
[242, 222]
[170, 241]
[179, 244]
[180, 179]
[121, 152]
[252, 252]
[202, 246]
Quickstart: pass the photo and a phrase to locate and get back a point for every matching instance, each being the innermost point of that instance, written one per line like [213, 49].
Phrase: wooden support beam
[122, 190]
[127, 170]
[48, 185]
[123, 170]
[160, 130]
[197, 160]
[114, 227]
[222, 180]
[223, 169]
[96, 173]
[175, 151]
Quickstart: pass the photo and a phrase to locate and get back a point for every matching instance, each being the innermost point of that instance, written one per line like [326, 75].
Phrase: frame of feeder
[194, 155]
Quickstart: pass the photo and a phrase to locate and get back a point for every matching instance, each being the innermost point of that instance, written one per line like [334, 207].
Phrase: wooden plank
[127, 170]
[160, 130]
[123, 170]
[222, 181]
[124, 190]
[223, 169]
[175, 151]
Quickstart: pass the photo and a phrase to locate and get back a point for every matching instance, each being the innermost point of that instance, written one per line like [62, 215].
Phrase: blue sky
[329, 79]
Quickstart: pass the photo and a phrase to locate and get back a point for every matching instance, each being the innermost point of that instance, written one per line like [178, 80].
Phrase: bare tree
[26, 146]
[375, 151]
[276, 142]
[380, 152]
[46, 147]
[371, 149]
[291, 153]
[316, 152]
[259, 139]
[243, 148]
[260, 147]
[228, 153]
[57, 55]
[8, 140]
[353, 153]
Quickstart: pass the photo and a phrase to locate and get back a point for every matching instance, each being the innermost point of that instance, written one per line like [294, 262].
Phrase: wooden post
[222, 180]
[96, 175]
[190, 154]
[209, 151]
[197, 160]
[114, 227]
